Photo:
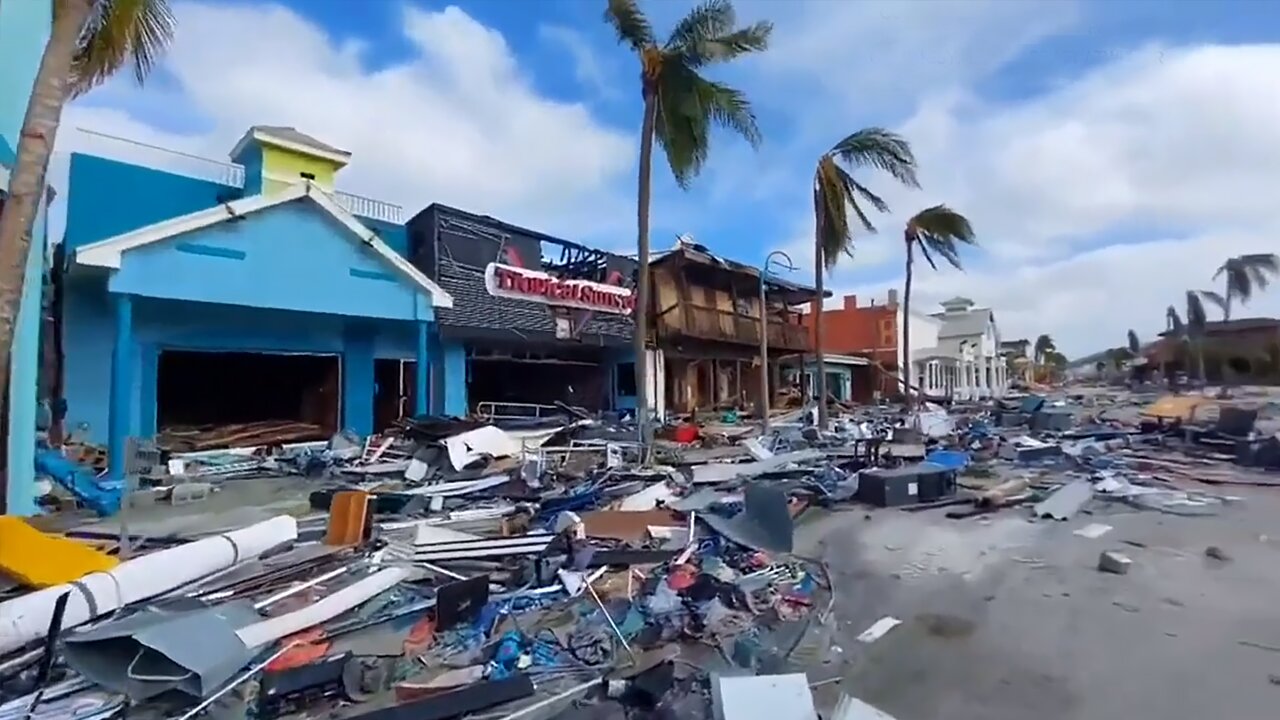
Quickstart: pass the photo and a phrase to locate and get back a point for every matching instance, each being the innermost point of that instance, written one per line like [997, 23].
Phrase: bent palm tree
[1244, 275]
[1176, 331]
[90, 40]
[1197, 323]
[1044, 344]
[680, 109]
[940, 231]
[835, 194]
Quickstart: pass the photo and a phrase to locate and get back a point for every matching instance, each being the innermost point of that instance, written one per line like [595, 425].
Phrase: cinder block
[1114, 562]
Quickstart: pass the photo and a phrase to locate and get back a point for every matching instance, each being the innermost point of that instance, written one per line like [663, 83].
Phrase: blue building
[254, 290]
[267, 295]
[24, 30]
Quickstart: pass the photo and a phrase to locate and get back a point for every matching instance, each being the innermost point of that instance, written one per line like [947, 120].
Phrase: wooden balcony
[726, 326]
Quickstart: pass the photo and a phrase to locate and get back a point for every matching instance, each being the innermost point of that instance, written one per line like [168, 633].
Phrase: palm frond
[831, 211]
[708, 34]
[1213, 297]
[940, 230]
[1135, 345]
[729, 109]
[121, 32]
[879, 148]
[630, 23]
[688, 107]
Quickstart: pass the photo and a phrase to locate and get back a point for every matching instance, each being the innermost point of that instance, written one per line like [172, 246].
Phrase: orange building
[869, 331]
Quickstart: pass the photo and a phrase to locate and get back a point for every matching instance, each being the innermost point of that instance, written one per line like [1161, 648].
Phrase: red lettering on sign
[532, 285]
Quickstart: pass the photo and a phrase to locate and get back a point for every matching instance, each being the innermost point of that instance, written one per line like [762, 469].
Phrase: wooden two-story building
[706, 322]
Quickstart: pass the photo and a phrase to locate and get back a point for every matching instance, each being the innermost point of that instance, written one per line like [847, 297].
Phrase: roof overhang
[268, 138]
[109, 253]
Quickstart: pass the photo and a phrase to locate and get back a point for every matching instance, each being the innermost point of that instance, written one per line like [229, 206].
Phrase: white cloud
[456, 121]
[1176, 147]
[587, 68]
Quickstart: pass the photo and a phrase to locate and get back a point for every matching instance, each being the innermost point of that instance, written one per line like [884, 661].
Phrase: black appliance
[906, 485]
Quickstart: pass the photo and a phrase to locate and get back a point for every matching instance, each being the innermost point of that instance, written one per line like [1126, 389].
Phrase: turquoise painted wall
[316, 287]
[108, 198]
[24, 29]
[161, 324]
[289, 257]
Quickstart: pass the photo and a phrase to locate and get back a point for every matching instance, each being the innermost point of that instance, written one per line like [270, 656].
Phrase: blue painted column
[120, 411]
[455, 379]
[357, 380]
[422, 369]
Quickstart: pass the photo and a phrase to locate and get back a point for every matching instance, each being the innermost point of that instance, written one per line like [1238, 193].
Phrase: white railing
[370, 208]
[112, 147]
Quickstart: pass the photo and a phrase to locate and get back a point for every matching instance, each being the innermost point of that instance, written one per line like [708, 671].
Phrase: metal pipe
[764, 338]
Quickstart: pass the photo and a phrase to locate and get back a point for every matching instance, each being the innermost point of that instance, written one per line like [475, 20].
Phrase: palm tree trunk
[819, 268]
[641, 313]
[906, 373]
[27, 182]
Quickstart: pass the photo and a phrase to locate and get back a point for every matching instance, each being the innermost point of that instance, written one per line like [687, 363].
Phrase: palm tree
[1244, 274]
[1135, 345]
[680, 109]
[1197, 323]
[1044, 344]
[90, 40]
[1176, 331]
[835, 194]
[937, 230]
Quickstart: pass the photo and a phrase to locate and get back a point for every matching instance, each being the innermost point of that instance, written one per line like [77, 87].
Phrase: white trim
[342, 158]
[107, 253]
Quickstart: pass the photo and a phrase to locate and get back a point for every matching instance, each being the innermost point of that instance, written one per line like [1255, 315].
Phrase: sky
[1110, 154]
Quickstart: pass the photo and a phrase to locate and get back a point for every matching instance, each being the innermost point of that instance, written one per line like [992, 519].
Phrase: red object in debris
[685, 434]
[682, 577]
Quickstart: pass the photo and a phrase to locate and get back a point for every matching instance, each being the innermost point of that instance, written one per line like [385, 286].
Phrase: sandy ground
[1008, 618]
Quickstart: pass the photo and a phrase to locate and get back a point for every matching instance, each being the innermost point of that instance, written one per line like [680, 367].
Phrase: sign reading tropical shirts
[523, 284]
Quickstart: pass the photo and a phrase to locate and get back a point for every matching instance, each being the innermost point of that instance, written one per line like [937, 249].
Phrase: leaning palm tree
[90, 40]
[940, 231]
[1196, 327]
[1043, 344]
[1244, 275]
[1176, 332]
[835, 195]
[680, 109]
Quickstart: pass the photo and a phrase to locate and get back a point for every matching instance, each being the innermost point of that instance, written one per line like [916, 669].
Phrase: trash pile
[550, 568]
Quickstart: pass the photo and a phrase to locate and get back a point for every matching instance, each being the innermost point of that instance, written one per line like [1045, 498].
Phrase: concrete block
[1114, 562]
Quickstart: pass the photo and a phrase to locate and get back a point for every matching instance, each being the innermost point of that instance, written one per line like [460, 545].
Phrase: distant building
[1241, 350]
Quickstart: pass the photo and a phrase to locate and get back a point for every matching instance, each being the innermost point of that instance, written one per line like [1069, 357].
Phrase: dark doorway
[394, 394]
[538, 382]
[200, 389]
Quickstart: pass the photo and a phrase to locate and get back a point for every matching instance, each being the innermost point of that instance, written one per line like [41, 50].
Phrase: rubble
[524, 569]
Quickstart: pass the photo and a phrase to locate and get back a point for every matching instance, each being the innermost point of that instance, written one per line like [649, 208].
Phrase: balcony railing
[111, 147]
[727, 326]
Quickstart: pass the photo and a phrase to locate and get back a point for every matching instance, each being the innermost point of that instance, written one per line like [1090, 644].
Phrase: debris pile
[549, 567]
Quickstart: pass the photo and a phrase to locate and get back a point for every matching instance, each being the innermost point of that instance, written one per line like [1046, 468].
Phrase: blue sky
[1110, 154]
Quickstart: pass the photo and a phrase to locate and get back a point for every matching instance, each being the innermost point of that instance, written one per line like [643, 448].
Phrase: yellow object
[37, 560]
[1176, 407]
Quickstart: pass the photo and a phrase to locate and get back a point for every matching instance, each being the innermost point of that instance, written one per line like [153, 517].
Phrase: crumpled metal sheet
[765, 522]
[1066, 501]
